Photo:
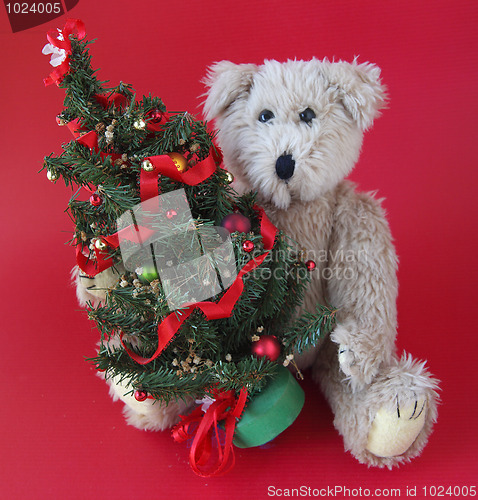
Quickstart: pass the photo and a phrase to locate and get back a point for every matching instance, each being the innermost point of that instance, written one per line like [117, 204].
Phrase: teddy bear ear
[226, 82]
[360, 90]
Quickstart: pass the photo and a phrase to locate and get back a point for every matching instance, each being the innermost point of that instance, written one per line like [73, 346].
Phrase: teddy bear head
[292, 130]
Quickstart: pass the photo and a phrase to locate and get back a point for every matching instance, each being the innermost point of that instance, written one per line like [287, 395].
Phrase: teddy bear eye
[265, 115]
[307, 115]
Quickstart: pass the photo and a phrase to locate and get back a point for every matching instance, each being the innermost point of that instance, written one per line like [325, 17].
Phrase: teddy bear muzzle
[285, 166]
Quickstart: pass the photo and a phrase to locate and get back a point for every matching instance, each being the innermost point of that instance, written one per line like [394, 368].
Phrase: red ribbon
[71, 25]
[93, 267]
[116, 99]
[73, 126]
[164, 165]
[225, 407]
[103, 261]
[168, 328]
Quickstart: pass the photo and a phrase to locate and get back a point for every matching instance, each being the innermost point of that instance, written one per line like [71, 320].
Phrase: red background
[61, 436]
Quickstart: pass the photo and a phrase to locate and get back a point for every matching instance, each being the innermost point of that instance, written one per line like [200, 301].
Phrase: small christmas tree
[158, 202]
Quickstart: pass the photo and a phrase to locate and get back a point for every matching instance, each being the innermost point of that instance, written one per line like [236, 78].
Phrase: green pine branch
[309, 328]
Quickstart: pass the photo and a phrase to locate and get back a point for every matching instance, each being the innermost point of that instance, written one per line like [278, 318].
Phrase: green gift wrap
[270, 412]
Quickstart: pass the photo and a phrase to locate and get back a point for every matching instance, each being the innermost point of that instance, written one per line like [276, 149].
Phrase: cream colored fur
[93, 290]
[384, 406]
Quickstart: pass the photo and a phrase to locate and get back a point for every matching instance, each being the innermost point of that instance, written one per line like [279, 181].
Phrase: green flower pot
[271, 411]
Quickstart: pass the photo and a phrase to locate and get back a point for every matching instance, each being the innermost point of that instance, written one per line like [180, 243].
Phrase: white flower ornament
[58, 55]
[59, 47]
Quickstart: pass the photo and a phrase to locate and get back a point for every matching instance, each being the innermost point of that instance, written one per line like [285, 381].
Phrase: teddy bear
[292, 132]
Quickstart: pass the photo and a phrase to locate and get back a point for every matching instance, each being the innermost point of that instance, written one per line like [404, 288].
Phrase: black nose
[285, 167]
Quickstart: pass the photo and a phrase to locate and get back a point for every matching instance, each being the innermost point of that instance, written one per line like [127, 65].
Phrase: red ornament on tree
[156, 120]
[140, 395]
[268, 346]
[96, 200]
[171, 214]
[236, 222]
[248, 246]
[310, 264]
[156, 116]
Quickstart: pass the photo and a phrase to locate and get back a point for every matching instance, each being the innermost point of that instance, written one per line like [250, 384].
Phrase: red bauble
[236, 222]
[171, 214]
[156, 115]
[310, 264]
[96, 200]
[248, 246]
[268, 346]
[140, 395]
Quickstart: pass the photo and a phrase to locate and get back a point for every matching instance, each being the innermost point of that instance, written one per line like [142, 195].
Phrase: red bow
[202, 427]
[164, 165]
[71, 25]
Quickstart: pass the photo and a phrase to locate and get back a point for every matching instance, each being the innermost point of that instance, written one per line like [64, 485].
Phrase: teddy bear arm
[363, 285]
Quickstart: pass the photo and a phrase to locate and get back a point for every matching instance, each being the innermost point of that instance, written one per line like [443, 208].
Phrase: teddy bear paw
[360, 370]
[394, 431]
